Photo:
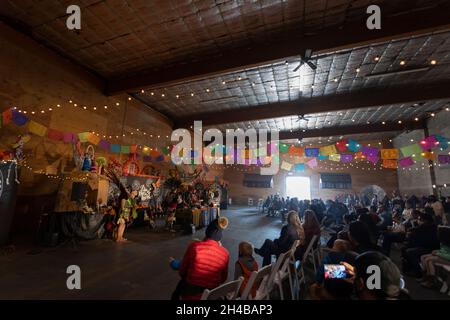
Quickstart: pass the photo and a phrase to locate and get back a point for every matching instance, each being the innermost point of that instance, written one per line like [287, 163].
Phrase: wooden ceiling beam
[366, 98]
[353, 34]
[350, 130]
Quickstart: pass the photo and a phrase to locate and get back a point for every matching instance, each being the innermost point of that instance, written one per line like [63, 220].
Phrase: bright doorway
[298, 187]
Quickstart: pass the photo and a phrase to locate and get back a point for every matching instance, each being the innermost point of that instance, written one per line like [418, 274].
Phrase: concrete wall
[417, 178]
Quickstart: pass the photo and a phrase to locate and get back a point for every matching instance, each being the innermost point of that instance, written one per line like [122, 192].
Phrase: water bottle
[193, 228]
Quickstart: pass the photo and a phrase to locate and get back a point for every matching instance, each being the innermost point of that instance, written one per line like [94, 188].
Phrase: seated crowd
[359, 236]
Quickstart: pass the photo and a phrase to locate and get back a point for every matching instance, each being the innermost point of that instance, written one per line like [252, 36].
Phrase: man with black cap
[205, 263]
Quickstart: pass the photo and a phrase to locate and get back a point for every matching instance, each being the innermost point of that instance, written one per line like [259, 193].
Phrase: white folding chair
[273, 278]
[317, 250]
[284, 273]
[292, 272]
[306, 255]
[227, 290]
[258, 279]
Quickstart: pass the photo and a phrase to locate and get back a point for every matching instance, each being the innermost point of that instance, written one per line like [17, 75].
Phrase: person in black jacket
[421, 240]
[289, 233]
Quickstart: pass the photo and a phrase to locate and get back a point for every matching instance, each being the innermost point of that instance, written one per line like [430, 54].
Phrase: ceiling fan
[306, 58]
[302, 117]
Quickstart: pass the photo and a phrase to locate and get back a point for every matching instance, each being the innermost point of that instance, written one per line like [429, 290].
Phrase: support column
[430, 162]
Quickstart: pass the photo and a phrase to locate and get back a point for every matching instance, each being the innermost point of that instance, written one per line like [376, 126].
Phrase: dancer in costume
[127, 211]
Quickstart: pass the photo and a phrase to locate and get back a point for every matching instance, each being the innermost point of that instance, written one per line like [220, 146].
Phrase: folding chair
[284, 272]
[250, 202]
[274, 277]
[317, 250]
[312, 252]
[227, 291]
[258, 279]
[308, 253]
[292, 271]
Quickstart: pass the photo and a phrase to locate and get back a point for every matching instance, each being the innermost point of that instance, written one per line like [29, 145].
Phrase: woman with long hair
[289, 233]
[311, 226]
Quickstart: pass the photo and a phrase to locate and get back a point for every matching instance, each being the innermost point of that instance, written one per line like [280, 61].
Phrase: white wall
[417, 178]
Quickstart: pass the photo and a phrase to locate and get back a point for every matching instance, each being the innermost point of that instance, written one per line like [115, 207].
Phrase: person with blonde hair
[289, 233]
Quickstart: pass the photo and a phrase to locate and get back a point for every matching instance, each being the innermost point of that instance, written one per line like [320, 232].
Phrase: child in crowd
[245, 265]
[441, 256]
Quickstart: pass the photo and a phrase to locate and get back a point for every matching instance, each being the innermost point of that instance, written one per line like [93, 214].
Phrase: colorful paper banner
[55, 134]
[284, 148]
[299, 167]
[7, 116]
[335, 157]
[342, 145]
[92, 138]
[19, 118]
[353, 146]
[429, 155]
[389, 164]
[370, 151]
[328, 150]
[115, 148]
[346, 158]
[412, 149]
[68, 137]
[37, 128]
[286, 166]
[83, 136]
[296, 151]
[444, 159]
[312, 152]
[312, 163]
[428, 143]
[443, 141]
[389, 154]
[406, 162]
[373, 159]
[105, 145]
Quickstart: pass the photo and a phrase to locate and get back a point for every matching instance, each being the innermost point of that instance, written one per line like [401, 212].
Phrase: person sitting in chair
[289, 233]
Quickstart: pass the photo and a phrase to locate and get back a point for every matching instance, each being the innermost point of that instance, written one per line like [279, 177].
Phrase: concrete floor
[137, 269]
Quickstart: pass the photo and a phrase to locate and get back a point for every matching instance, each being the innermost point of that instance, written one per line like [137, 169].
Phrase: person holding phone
[391, 281]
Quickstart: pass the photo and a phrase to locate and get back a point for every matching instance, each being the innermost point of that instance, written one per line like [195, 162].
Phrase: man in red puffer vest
[205, 263]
